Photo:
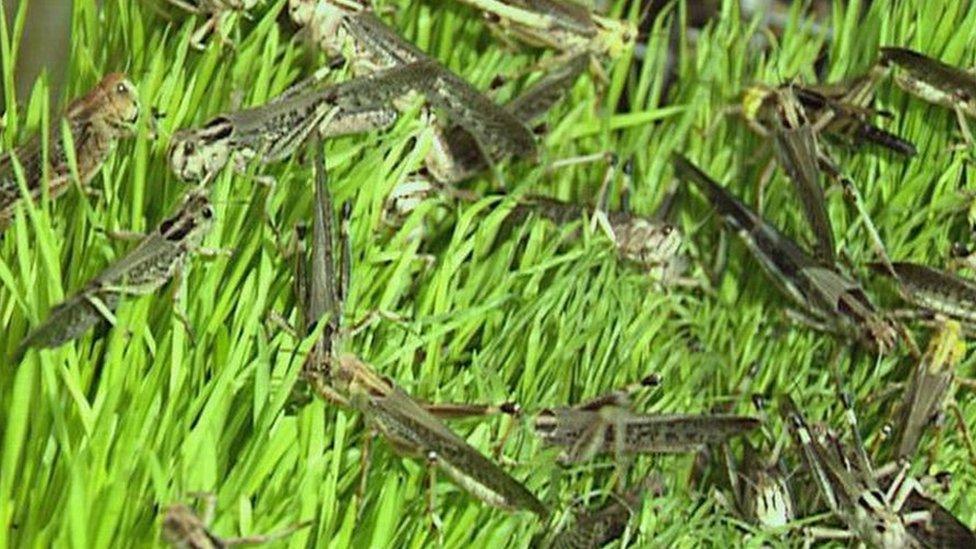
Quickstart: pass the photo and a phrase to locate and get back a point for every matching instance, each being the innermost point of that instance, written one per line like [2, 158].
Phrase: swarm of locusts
[782, 474]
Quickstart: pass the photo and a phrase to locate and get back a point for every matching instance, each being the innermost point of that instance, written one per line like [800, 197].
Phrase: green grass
[99, 435]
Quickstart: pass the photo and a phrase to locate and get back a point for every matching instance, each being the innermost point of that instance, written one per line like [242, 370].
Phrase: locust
[456, 155]
[759, 485]
[760, 492]
[341, 27]
[934, 291]
[218, 13]
[345, 379]
[929, 388]
[646, 242]
[154, 260]
[348, 29]
[876, 517]
[649, 243]
[95, 121]
[275, 130]
[830, 300]
[600, 526]
[943, 528]
[606, 425]
[842, 112]
[562, 25]
[934, 81]
[777, 112]
[184, 529]
[795, 117]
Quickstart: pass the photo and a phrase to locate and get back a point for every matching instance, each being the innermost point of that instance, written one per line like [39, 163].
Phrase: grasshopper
[218, 12]
[935, 82]
[140, 272]
[795, 117]
[606, 424]
[759, 485]
[346, 28]
[184, 529]
[275, 130]
[842, 112]
[876, 517]
[455, 155]
[645, 242]
[648, 242]
[760, 492]
[562, 25]
[600, 526]
[345, 379]
[935, 291]
[776, 111]
[830, 300]
[96, 121]
[495, 132]
[943, 530]
[929, 388]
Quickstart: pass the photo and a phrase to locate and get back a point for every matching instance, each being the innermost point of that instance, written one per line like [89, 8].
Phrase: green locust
[95, 121]
[142, 271]
[345, 379]
[830, 300]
